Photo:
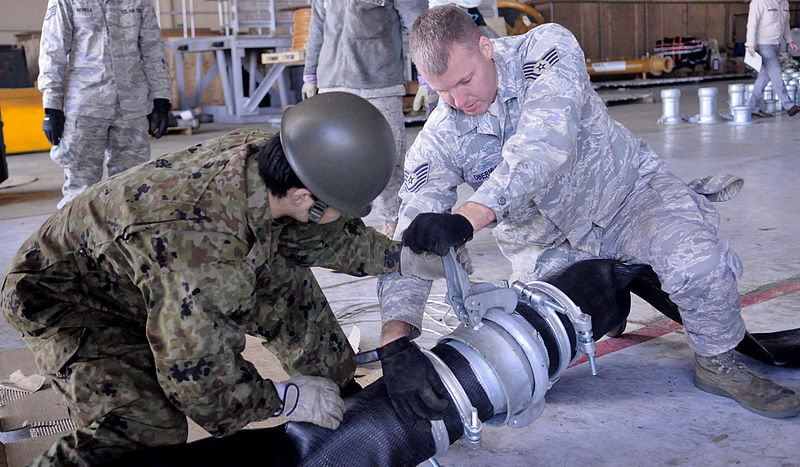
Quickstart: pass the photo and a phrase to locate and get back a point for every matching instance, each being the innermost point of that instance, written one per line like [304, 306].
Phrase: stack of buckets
[739, 98]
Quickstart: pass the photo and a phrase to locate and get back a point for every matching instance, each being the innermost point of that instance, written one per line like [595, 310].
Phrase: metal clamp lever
[471, 302]
[458, 286]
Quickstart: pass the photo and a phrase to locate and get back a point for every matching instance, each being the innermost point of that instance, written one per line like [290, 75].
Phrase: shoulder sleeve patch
[415, 179]
[534, 69]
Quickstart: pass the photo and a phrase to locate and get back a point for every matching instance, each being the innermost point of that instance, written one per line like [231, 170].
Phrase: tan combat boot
[725, 376]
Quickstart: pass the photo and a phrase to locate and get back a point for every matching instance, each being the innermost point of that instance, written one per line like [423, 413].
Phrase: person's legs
[676, 234]
[555, 260]
[115, 399]
[756, 102]
[387, 204]
[299, 326]
[674, 230]
[80, 154]
[771, 65]
[98, 359]
[128, 145]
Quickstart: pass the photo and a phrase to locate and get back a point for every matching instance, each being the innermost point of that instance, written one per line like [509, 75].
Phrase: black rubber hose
[372, 434]
[264, 446]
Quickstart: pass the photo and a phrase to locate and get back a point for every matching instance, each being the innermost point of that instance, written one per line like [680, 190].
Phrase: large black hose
[371, 433]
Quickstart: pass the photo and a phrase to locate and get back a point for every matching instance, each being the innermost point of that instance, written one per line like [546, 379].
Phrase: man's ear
[299, 197]
[486, 47]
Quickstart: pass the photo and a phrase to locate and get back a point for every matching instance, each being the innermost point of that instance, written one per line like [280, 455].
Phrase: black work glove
[53, 125]
[415, 390]
[352, 387]
[431, 232]
[159, 117]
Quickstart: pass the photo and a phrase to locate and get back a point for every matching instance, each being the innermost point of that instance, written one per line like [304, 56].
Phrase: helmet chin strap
[317, 210]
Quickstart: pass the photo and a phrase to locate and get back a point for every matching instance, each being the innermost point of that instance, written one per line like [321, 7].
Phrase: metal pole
[647, 28]
[191, 15]
[727, 24]
[602, 20]
[179, 79]
[221, 19]
[687, 20]
[183, 6]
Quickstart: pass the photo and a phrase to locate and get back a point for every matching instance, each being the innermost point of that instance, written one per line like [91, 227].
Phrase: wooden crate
[288, 57]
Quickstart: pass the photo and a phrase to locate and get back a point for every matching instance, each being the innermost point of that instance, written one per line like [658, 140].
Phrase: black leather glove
[350, 389]
[159, 117]
[414, 388]
[53, 125]
[432, 232]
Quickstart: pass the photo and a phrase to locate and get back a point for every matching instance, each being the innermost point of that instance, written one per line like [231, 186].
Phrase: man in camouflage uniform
[101, 71]
[136, 297]
[559, 181]
[356, 46]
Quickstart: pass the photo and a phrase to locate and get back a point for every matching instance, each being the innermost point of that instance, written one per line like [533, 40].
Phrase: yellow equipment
[22, 120]
[655, 65]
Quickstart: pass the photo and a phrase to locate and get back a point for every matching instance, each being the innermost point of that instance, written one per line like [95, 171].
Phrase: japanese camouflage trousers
[89, 143]
[666, 225]
[100, 362]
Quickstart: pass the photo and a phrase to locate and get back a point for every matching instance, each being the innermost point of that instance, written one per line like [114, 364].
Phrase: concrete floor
[642, 408]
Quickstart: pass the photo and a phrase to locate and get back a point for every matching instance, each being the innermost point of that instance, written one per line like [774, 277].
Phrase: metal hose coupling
[467, 413]
[548, 300]
[506, 353]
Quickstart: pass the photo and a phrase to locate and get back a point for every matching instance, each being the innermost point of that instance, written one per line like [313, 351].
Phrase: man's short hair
[435, 32]
[274, 168]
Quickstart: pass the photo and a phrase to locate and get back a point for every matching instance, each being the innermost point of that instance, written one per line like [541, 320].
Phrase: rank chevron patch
[414, 179]
[534, 69]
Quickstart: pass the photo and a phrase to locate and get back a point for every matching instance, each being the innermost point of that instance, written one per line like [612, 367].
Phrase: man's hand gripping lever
[471, 302]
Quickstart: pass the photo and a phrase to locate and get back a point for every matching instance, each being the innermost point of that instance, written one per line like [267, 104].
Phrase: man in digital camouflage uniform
[101, 71]
[136, 297]
[558, 181]
[356, 46]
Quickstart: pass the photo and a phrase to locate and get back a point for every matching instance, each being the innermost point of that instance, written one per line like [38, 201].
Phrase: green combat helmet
[342, 149]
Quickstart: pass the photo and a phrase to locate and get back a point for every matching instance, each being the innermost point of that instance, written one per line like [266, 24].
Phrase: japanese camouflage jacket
[185, 244]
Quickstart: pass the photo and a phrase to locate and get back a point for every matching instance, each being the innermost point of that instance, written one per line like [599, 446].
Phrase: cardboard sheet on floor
[43, 408]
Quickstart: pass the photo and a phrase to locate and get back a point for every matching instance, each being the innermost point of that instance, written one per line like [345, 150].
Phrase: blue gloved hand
[159, 117]
[53, 125]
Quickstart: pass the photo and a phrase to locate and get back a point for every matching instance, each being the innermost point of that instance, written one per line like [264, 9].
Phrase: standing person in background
[356, 46]
[102, 70]
[767, 24]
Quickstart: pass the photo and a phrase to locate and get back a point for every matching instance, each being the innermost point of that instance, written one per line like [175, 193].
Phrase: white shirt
[768, 22]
